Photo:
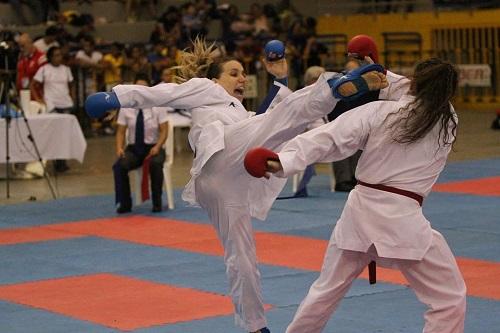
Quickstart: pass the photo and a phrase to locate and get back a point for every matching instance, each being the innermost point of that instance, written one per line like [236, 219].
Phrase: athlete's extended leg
[230, 216]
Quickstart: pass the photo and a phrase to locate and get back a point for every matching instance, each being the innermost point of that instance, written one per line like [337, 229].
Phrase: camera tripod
[5, 85]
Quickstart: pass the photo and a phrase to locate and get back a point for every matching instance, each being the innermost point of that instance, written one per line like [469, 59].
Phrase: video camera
[9, 52]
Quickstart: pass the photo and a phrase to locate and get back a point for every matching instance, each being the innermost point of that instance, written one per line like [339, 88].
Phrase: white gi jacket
[211, 108]
[392, 222]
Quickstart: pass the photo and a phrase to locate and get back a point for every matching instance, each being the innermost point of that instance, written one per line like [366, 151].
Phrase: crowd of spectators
[99, 65]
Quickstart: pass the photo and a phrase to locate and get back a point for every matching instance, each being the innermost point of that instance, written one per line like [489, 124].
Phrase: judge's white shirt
[153, 117]
[392, 222]
[55, 80]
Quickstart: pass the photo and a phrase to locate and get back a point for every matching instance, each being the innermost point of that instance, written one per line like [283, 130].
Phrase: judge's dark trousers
[132, 160]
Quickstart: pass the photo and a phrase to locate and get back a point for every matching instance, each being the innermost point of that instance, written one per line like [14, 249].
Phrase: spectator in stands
[167, 75]
[248, 51]
[112, 64]
[50, 39]
[55, 80]
[287, 14]
[88, 56]
[58, 91]
[50, 9]
[260, 21]
[273, 19]
[314, 52]
[136, 63]
[192, 22]
[158, 59]
[159, 34]
[30, 60]
[147, 133]
[68, 58]
[131, 12]
[171, 21]
[90, 61]
[228, 15]
[90, 66]
[297, 39]
[173, 52]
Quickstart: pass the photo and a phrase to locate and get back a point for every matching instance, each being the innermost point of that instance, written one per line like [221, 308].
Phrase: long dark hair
[434, 84]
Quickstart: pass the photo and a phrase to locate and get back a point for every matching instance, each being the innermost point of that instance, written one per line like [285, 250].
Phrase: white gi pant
[436, 280]
[222, 189]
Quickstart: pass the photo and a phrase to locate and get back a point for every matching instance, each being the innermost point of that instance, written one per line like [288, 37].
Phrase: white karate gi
[378, 225]
[221, 134]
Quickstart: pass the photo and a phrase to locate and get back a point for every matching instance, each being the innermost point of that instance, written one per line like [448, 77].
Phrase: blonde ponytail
[195, 63]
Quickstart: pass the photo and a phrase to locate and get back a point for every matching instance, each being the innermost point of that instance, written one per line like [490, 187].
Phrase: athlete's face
[233, 79]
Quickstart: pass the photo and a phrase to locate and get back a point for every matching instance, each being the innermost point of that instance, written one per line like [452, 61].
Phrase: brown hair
[434, 84]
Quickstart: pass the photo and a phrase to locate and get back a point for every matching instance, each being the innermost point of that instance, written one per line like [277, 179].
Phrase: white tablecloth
[57, 136]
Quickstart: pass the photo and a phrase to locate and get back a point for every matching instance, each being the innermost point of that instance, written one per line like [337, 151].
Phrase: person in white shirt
[57, 81]
[132, 155]
[58, 90]
[90, 62]
[221, 133]
[405, 146]
[49, 40]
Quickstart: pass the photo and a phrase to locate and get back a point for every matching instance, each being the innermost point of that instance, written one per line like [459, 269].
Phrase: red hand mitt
[256, 161]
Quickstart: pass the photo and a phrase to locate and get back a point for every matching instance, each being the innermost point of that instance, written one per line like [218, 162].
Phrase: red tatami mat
[274, 249]
[33, 234]
[117, 301]
[482, 186]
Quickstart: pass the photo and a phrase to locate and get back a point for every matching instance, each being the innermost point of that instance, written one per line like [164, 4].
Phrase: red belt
[372, 267]
[409, 194]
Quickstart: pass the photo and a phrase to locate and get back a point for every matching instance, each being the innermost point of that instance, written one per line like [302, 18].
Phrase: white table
[57, 136]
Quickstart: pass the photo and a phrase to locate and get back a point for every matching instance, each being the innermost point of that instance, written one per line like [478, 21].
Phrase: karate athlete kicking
[405, 145]
[222, 132]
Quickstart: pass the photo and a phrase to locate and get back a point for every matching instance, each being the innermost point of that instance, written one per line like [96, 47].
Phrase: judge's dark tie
[139, 134]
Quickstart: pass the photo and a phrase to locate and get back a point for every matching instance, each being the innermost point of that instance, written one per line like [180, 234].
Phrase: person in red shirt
[30, 60]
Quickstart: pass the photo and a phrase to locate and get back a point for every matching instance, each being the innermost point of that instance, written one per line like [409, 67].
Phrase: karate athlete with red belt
[405, 146]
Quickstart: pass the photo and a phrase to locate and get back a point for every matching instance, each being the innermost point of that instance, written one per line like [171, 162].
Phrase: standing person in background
[56, 82]
[89, 72]
[90, 61]
[159, 59]
[311, 75]
[136, 63]
[112, 63]
[30, 60]
[358, 48]
[147, 133]
[50, 39]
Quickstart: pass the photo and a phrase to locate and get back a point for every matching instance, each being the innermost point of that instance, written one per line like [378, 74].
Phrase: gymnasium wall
[468, 38]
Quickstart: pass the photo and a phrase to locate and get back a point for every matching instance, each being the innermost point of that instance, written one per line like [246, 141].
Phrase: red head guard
[362, 46]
